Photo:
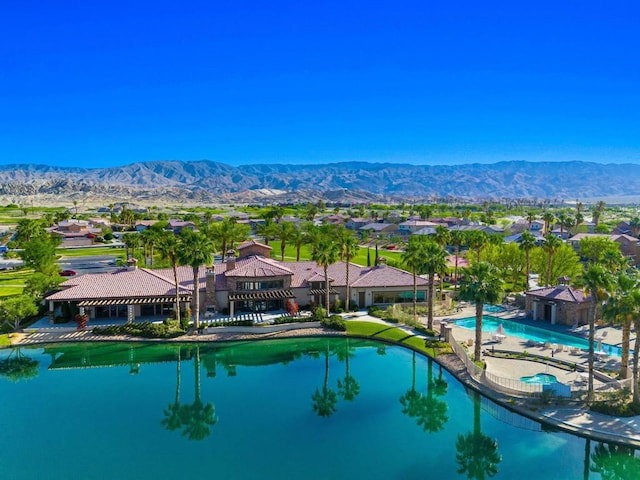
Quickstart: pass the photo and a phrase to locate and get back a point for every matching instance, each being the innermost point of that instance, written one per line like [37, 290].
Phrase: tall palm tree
[551, 244]
[548, 218]
[458, 240]
[195, 250]
[597, 211]
[348, 249]
[169, 248]
[621, 307]
[283, 232]
[227, 232]
[477, 240]
[325, 253]
[597, 283]
[527, 242]
[297, 239]
[131, 242]
[414, 257]
[435, 262]
[442, 238]
[481, 283]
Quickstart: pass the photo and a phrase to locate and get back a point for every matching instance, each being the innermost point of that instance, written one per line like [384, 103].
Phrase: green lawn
[4, 340]
[12, 281]
[87, 252]
[305, 254]
[395, 335]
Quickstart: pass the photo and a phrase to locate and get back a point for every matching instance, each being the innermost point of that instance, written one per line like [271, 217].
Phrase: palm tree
[414, 257]
[622, 308]
[477, 240]
[297, 239]
[481, 283]
[324, 402]
[457, 239]
[195, 250]
[597, 211]
[527, 242]
[442, 238]
[597, 283]
[325, 253]
[169, 250]
[551, 244]
[433, 415]
[227, 232]
[435, 262]
[634, 225]
[349, 248]
[548, 219]
[477, 454]
[284, 231]
[131, 242]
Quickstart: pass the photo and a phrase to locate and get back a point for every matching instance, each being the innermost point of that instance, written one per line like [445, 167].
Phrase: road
[89, 264]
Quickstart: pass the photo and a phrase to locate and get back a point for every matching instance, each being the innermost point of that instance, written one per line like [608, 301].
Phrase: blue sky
[99, 84]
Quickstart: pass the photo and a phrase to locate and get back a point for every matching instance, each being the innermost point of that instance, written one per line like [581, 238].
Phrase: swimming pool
[492, 308]
[528, 332]
[540, 379]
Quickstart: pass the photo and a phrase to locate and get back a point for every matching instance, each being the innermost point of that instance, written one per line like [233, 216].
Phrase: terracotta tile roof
[386, 276]
[251, 243]
[258, 267]
[118, 284]
[563, 293]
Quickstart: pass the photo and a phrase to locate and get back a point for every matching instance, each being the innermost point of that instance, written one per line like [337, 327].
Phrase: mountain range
[210, 182]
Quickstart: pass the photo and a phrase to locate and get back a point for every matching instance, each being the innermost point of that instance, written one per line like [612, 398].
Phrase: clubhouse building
[248, 282]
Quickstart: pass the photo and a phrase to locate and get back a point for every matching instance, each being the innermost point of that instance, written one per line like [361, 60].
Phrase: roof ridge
[162, 277]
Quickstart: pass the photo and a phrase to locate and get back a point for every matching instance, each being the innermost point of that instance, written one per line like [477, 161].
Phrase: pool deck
[574, 419]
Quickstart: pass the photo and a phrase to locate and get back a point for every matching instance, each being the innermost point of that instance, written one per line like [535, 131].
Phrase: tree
[175, 411]
[132, 242]
[597, 283]
[550, 245]
[566, 262]
[348, 388]
[195, 250]
[40, 253]
[169, 250]
[40, 283]
[621, 308]
[227, 232]
[435, 262]
[476, 240]
[458, 239]
[18, 367]
[527, 242]
[13, 310]
[597, 211]
[548, 218]
[414, 257]
[325, 253]
[602, 250]
[348, 249]
[481, 283]
[297, 239]
[284, 231]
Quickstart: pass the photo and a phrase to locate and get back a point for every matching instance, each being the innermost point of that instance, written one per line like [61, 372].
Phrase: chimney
[564, 280]
[231, 260]
[132, 264]
[210, 291]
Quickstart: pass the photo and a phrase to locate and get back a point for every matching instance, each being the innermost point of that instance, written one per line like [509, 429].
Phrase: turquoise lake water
[269, 410]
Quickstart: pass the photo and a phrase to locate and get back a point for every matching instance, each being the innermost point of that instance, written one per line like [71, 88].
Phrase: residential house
[355, 223]
[628, 244]
[75, 233]
[379, 230]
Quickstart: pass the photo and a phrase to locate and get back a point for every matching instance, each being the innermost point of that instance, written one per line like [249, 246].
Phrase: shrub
[144, 330]
[319, 314]
[334, 322]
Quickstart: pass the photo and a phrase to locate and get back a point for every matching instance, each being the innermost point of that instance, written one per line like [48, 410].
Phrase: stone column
[231, 305]
[51, 311]
[535, 310]
[553, 313]
[131, 314]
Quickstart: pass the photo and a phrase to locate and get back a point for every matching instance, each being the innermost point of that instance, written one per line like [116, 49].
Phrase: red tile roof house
[76, 233]
[253, 282]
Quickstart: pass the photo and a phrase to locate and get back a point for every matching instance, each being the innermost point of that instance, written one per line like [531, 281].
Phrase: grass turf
[395, 335]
